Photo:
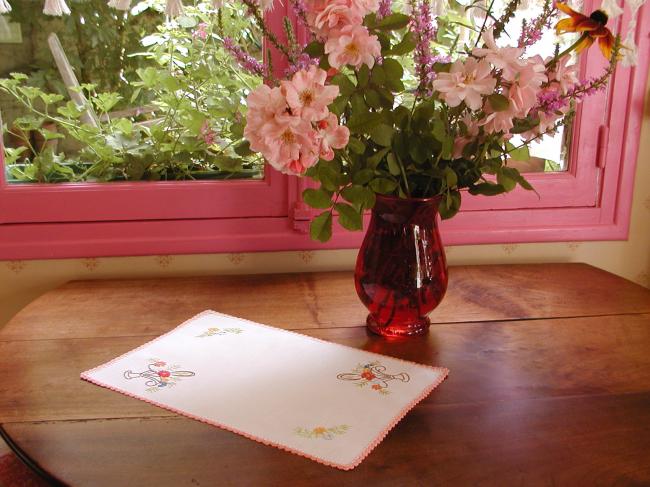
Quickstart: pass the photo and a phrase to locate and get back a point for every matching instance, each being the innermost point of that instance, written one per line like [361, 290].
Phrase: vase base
[419, 327]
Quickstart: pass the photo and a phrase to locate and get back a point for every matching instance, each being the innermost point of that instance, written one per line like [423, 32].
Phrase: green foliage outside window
[180, 70]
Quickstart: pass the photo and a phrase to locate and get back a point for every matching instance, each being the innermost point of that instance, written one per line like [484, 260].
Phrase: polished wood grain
[324, 300]
[574, 441]
[488, 362]
[549, 382]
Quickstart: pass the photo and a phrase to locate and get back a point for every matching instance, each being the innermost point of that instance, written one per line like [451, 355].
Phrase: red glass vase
[401, 271]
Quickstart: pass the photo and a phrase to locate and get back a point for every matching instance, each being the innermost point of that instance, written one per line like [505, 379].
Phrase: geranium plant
[194, 89]
[352, 118]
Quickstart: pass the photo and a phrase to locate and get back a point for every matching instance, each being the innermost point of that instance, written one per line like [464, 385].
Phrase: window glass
[154, 98]
[457, 25]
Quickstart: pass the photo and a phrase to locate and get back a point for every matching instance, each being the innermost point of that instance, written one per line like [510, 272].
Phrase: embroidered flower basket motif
[321, 432]
[374, 375]
[210, 332]
[159, 375]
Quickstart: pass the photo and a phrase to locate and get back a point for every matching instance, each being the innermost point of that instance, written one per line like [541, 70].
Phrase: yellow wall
[22, 281]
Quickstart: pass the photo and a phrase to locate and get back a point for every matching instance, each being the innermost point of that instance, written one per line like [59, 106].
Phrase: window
[589, 201]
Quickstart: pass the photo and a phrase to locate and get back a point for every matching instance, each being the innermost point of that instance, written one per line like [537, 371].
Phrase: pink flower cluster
[532, 86]
[553, 100]
[339, 23]
[291, 125]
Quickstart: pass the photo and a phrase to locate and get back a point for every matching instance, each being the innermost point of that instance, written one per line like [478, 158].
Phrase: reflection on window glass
[457, 25]
[153, 99]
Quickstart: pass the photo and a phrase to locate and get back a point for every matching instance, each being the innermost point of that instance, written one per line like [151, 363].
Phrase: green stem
[488, 14]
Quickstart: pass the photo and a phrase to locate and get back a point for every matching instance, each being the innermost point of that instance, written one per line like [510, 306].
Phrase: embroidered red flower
[164, 373]
[366, 374]
[377, 387]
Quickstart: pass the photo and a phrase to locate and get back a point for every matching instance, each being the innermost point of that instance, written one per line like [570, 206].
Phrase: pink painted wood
[585, 203]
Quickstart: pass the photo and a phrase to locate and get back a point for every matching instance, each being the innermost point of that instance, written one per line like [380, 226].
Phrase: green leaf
[29, 92]
[317, 198]
[149, 77]
[376, 158]
[373, 100]
[315, 49]
[356, 146]
[406, 45]
[521, 125]
[447, 147]
[363, 122]
[50, 99]
[106, 101]
[228, 164]
[49, 135]
[520, 153]
[419, 152]
[441, 67]
[363, 177]
[70, 110]
[12, 155]
[498, 102]
[383, 185]
[382, 135]
[329, 177]
[487, 189]
[363, 76]
[450, 177]
[361, 197]
[321, 227]
[401, 116]
[387, 98]
[393, 69]
[422, 116]
[449, 205]
[187, 22]
[439, 130]
[346, 87]
[395, 21]
[124, 125]
[338, 106]
[243, 149]
[393, 165]
[349, 218]
[504, 179]
[515, 175]
[378, 75]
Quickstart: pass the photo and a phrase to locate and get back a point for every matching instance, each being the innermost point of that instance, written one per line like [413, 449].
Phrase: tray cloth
[328, 402]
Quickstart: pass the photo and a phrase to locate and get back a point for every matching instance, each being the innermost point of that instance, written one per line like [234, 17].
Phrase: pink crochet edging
[373, 444]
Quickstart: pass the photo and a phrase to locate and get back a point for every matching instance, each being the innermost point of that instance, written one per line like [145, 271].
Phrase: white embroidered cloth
[327, 402]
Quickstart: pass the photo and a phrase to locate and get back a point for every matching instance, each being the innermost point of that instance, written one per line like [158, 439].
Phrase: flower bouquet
[398, 111]
[374, 104]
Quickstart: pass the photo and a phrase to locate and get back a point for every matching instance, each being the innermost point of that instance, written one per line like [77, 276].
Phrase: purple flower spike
[385, 9]
[245, 60]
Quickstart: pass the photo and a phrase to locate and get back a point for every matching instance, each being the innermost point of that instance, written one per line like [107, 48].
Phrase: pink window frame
[591, 201]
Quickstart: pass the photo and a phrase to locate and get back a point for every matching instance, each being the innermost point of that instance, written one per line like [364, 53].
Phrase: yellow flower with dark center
[592, 28]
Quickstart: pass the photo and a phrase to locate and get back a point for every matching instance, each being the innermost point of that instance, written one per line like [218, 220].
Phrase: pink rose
[354, 46]
[307, 95]
[333, 136]
[466, 82]
[336, 14]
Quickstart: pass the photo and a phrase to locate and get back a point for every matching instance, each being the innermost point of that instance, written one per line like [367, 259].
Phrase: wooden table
[549, 382]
